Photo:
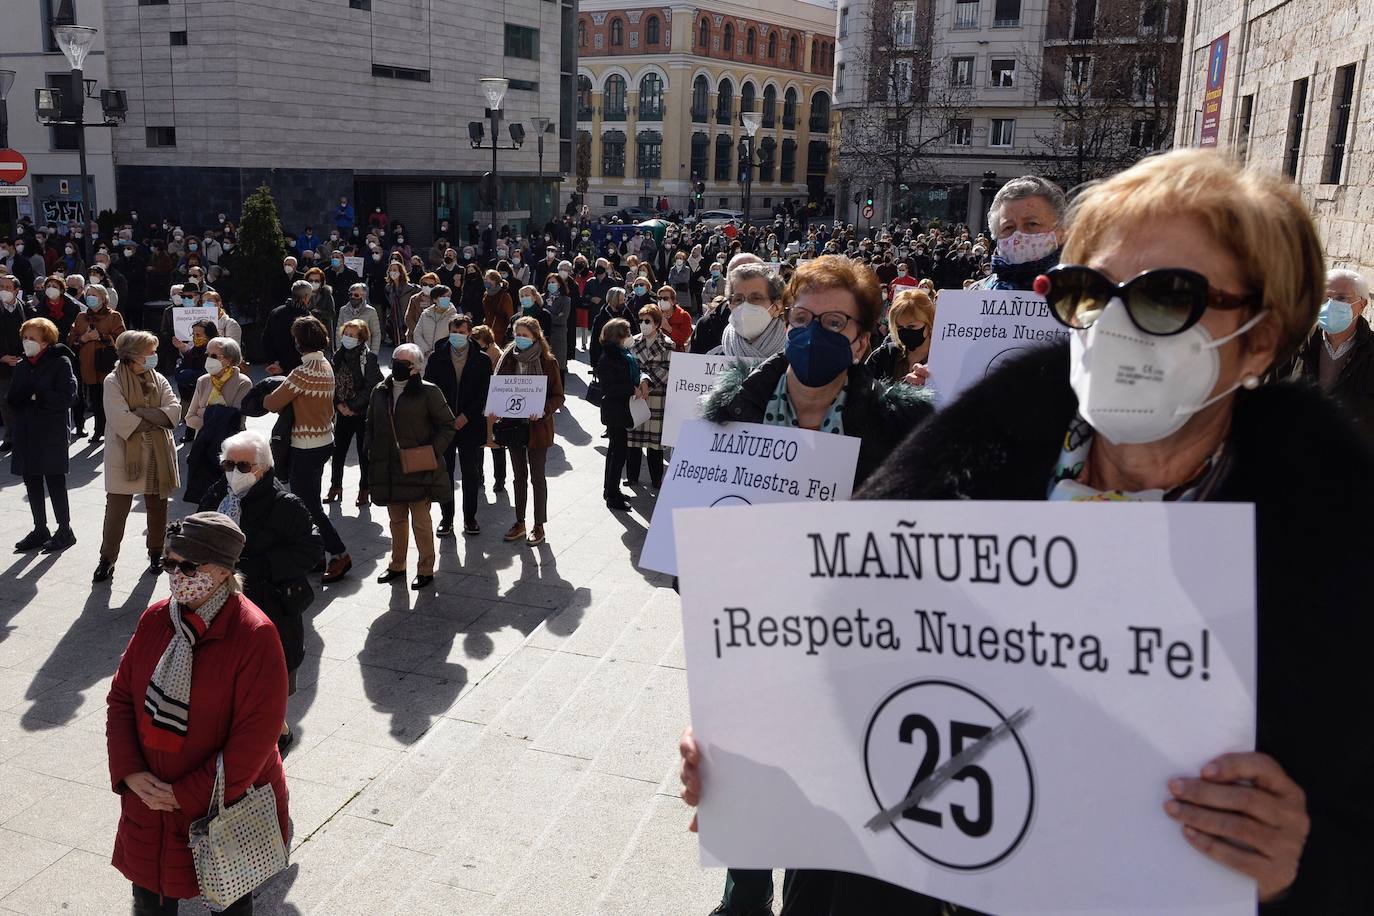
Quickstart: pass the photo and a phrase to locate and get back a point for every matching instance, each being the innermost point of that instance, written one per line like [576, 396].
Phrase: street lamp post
[493, 91]
[540, 125]
[751, 121]
[6, 82]
[75, 42]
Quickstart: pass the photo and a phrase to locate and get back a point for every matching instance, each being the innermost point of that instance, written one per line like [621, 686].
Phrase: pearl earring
[1250, 383]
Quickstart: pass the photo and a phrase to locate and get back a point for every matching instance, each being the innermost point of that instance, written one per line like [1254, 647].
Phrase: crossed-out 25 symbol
[981, 815]
[515, 403]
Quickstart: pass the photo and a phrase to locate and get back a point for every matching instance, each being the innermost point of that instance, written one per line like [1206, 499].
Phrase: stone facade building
[1281, 85]
[370, 99]
[660, 91]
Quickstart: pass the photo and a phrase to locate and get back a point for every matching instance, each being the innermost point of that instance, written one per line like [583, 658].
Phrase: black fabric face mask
[911, 338]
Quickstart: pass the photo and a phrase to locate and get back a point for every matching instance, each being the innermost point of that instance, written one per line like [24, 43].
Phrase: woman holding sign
[528, 441]
[1213, 275]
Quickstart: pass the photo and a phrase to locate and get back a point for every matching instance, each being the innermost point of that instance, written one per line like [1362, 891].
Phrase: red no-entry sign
[13, 166]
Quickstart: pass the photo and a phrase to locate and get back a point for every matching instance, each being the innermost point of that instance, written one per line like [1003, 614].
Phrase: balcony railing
[613, 114]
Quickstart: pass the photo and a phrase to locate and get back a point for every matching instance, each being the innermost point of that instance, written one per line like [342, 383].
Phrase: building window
[961, 71]
[400, 73]
[844, 22]
[792, 50]
[524, 85]
[1003, 72]
[584, 97]
[961, 132]
[1078, 77]
[1340, 123]
[817, 157]
[522, 41]
[150, 2]
[904, 28]
[1146, 80]
[360, 4]
[1297, 109]
[613, 154]
[901, 80]
[617, 33]
[772, 45]
[704, 36]
[701, 111]
[815, 50]
[966, 14]
[750, 45]
[789, 110]
[49, 13]
[581, 33]
[723, 156]
[701, 156]
[651, 97]
[1084, 19]
[1003, 132]
[1152, 13]
[161, 136]
[728, 43]
[651, 31]
[770, 103]
[649, 154]
[62, 138]
[1143, 134]
[613, 98]
[746, 97]
[1007, 13]
[787, 172]
[725, 103]
[820, 112]
[1247, 111]
[839, 78]
[179, 39]
[768, 156]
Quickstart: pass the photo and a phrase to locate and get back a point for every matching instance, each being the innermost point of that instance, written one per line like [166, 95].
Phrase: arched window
[617, 33]
[815, 49]
[770, 106]
[728, 44]
[704, 36]
[768, 154]
[581, 33]
[789, 110]
[792, 50]
[829, 56]
[649, 154]
[613, 154]
[651, 98]
[701, 156]
[725, 103]
[701, 100]
[820, 112]
[725, 153]
[772, 45]
[613, 98]
[746, 97]
[584, 97]
[749, 43]
[651, 31]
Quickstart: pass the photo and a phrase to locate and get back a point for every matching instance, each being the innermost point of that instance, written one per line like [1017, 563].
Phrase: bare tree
[910, 104]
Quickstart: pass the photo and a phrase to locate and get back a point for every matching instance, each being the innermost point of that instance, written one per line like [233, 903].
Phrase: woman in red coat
[203, 674]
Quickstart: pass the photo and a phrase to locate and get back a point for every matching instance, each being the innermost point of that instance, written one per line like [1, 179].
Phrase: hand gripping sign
[979, 701]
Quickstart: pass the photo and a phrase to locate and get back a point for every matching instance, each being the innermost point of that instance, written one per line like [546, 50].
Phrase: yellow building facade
[661, 90]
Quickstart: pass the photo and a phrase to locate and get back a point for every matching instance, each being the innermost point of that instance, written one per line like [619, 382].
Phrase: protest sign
[978, 330]
[691, 375]
[838, 655]
[640, 412]
[517, 396]
[745, 464]
[353, 264]
[184, 318]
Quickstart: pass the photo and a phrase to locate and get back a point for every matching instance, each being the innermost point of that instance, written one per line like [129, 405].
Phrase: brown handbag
[413, 460]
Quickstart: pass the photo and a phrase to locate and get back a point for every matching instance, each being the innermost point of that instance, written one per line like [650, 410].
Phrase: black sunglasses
[1161, 302]
[243, 467]
[186, 566]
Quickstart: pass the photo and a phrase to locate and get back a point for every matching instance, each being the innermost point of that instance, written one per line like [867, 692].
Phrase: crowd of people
[828, 330]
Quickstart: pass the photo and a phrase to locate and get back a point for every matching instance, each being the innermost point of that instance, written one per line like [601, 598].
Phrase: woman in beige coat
[141, 410]
[224, 385]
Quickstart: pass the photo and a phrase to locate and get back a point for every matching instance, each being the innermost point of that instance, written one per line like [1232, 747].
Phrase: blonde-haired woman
[529, 354]
[141, 410]
[399, 289]
[224, 322]
[902, 357]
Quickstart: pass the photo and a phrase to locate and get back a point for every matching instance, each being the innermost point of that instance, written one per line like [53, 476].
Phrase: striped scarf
[168, 698]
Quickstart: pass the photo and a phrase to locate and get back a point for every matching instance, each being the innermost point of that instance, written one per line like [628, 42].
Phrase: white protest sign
[838, 655]
[517, 396]
[354, 264]
[184, 318]
[745, 464]
[691, 375]
[978, 330]
[640, 412]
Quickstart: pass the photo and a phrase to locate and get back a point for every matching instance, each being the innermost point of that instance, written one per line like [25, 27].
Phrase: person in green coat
[404, 412]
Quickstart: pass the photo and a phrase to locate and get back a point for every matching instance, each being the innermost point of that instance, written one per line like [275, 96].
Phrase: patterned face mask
[191, 589]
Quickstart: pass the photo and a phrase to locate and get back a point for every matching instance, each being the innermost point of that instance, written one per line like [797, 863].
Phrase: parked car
[714, 218]
[634, 214]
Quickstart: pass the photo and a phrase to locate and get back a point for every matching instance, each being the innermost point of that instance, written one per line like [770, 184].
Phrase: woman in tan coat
[141, 410]
[529, 354]
[222, 383]
[93, 336]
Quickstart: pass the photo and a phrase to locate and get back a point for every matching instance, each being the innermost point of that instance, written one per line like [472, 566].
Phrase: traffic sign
[868, 211]
[13, 166]
[14, 190]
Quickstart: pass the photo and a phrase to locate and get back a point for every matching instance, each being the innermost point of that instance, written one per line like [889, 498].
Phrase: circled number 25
[960, 733]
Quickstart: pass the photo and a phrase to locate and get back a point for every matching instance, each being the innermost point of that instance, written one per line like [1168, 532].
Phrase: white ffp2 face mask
[240, 481]
[1135, 387]
[749, 320]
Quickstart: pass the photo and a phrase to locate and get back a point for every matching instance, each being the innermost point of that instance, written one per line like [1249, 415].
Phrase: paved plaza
[504, 743]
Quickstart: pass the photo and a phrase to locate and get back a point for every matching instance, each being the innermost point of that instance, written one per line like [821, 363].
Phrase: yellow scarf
[217, 383]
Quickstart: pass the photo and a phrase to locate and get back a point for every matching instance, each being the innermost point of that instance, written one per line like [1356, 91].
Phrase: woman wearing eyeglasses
[756, 328]
[1184, 281]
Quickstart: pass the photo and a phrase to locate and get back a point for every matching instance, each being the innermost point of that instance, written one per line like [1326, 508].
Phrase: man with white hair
[1339, 357]
[280, 547]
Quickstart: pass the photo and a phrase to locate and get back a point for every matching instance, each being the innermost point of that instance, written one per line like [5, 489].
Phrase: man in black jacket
[1339, 357]
[463, 374]
[13, 313]
[278, 346]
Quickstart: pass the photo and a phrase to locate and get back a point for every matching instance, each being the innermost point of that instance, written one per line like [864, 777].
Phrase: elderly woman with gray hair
[1025, 217]
[756, 329]
[141, 410]
[356, 308]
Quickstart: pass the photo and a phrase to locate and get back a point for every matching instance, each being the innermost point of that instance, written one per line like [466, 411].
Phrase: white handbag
[236, 849]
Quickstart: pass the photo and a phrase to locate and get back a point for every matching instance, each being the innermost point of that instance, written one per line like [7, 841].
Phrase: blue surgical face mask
[523, 343]
[334, 262]
[150, 361]
[1335, 316]
[445, 302]
[816, 355]
[553, 289]
[92, 302]
[458, 340]
[526, 302]
[188, 301]
[348, 343]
